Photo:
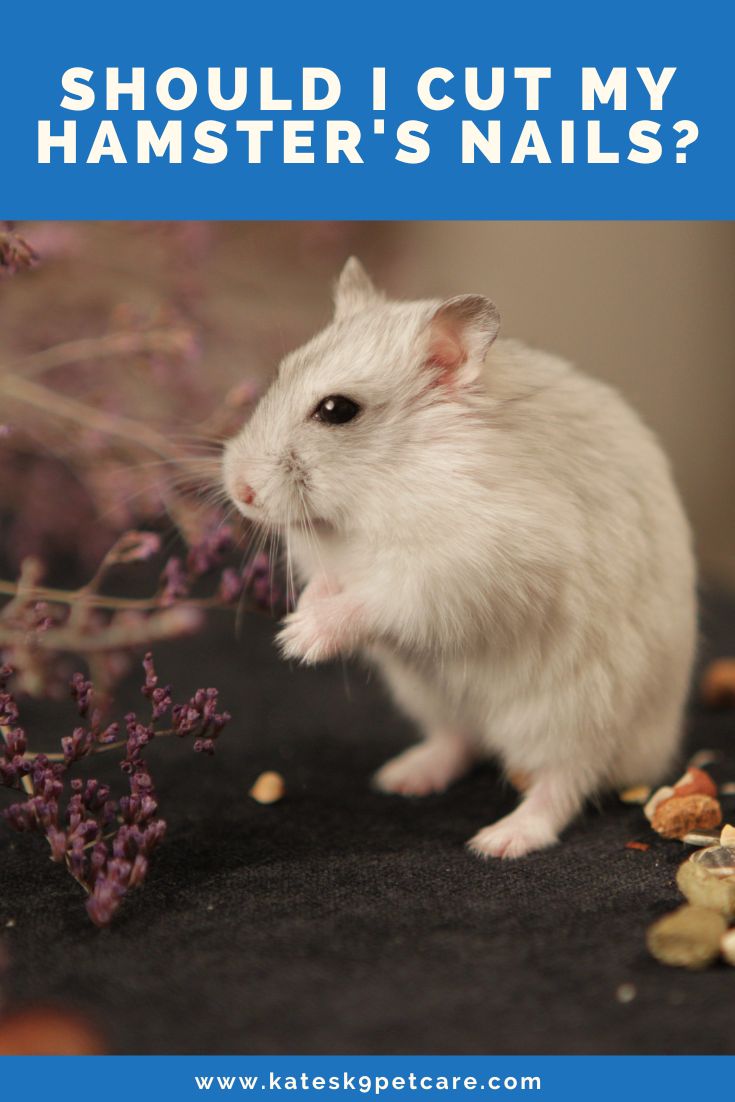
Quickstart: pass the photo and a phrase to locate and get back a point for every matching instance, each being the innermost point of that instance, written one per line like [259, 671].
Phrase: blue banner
[186, 1078]
[385, 111]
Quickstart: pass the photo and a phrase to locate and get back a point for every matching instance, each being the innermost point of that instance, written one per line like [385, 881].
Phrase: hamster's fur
[497, 532]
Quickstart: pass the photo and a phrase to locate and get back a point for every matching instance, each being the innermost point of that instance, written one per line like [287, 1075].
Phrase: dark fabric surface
[343, 921]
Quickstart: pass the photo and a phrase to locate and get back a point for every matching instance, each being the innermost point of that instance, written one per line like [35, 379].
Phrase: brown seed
[718, 683]
[268, 788]
[708, 882]
[680, 815]
[687, 938]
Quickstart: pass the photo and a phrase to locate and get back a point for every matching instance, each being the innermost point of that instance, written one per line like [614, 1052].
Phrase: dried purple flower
[105, 843]
[175, 582]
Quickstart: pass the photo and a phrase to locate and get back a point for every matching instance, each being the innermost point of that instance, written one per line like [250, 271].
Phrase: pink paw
[430, 767]
[514, 836]
[320, 629]
[305, 638]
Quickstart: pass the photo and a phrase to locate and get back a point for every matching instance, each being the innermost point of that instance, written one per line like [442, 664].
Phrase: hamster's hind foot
[427, 768]
[552, 800]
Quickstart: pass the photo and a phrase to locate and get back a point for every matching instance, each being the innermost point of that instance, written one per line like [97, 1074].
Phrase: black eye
[336, 410]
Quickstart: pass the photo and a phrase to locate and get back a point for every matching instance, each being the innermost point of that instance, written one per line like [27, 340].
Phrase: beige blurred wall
[649, 307]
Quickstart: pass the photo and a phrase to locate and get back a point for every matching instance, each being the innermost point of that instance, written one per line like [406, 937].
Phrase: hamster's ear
[458, 337]
[354, 290]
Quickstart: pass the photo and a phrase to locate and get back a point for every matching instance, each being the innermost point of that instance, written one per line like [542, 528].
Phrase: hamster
[498, 533]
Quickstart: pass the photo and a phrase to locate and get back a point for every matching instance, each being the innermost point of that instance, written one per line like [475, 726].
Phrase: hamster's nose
[245, 493]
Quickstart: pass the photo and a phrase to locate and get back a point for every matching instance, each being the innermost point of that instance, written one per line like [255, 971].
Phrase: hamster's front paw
[514, 836]
[318, 631]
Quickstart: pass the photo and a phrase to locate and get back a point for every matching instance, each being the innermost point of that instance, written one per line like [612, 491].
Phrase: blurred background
[645, 306]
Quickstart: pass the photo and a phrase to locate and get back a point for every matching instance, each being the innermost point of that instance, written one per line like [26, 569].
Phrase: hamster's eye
[336, 410]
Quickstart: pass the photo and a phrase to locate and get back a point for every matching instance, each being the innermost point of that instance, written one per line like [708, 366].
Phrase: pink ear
[459, 335]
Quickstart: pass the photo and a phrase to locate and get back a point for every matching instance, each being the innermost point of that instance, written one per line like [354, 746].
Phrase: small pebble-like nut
[659, 797]
[268, 788]
[718, 683]
[682, 814]
[707, 879]
[727, 946]
[687, 938]
[695, 781]
[639, 794]
[727, 837]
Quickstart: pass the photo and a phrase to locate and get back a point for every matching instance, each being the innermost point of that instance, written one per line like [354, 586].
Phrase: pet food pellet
[687, 938]
[679, 815]
[268, 788]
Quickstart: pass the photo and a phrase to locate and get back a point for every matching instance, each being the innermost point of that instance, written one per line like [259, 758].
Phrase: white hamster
[497, 532]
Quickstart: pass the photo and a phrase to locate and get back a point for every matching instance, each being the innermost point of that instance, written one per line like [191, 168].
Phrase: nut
[695, 781]
[718, 683]
[680, 815]
[727, 837]
[269, 788]
[687, 938]
[704, 885]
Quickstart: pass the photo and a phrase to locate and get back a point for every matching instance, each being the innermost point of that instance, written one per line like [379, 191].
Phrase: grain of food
[268, 788]
[687, 938]
[679, 815]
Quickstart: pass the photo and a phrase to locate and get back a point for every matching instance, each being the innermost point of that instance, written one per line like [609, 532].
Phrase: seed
[268, 788]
